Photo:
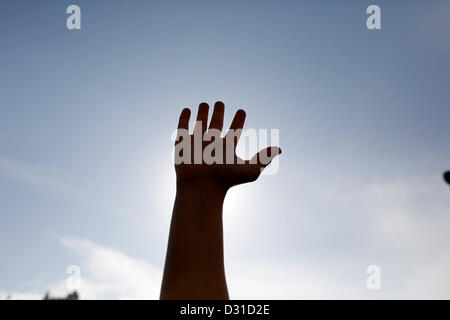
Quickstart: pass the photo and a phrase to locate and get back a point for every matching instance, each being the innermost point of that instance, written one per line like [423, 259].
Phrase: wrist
[204, 190]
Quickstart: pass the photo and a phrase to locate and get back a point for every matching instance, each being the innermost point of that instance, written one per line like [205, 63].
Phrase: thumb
[265, 156]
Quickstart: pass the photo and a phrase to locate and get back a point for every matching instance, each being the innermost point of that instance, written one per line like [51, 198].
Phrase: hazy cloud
[107, 273]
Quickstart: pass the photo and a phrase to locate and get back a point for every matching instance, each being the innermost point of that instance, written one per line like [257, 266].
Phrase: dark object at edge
[447, 177]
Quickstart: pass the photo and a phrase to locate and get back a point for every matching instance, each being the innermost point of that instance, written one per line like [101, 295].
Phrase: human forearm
[194, 266]
[206, 169]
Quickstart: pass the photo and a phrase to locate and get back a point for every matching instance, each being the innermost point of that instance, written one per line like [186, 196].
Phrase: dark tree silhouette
[71, 296]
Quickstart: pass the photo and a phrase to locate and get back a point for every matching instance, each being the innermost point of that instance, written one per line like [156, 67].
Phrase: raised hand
[206, 155]
[207, 166]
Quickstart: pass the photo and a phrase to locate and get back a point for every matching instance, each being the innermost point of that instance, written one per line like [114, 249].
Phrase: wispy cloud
[31, 174]
[415, 221]
[407, 221]
[4, 295]
[108, 273]
[400, 225]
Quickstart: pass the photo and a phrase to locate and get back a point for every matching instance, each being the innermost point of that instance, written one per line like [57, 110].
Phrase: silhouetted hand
[224, 167]
[206, 169]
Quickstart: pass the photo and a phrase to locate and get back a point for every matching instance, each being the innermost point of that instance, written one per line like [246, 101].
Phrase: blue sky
[86, 117]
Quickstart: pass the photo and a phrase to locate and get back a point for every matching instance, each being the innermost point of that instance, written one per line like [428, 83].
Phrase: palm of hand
[225, 168]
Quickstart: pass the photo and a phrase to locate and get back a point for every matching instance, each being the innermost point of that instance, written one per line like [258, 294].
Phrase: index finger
[183, 122]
